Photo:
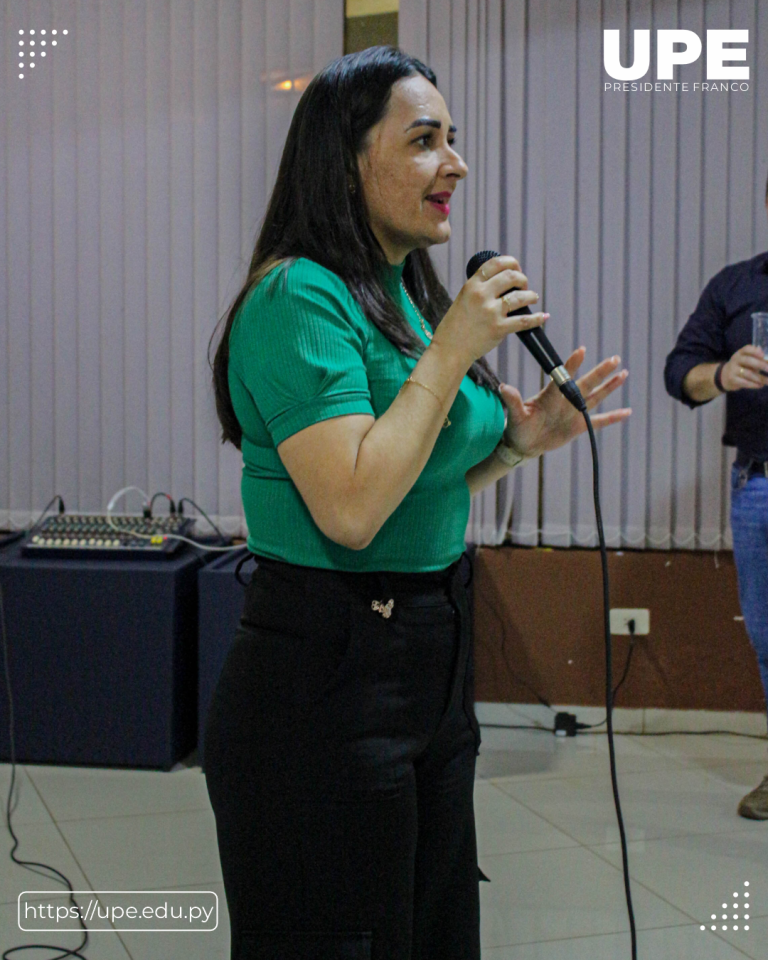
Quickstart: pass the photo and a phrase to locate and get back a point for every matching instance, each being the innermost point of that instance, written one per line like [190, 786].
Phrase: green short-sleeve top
[302, 351]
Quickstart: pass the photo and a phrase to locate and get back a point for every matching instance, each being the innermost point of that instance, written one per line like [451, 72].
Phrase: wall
[538, 627]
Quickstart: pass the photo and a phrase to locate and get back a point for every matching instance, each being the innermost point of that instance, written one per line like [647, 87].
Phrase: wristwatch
[718, 374]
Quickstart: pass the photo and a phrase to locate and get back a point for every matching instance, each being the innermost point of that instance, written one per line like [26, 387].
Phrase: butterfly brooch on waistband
[385, 609]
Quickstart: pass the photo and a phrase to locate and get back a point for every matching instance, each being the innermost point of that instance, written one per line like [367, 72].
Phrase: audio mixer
[84, 535]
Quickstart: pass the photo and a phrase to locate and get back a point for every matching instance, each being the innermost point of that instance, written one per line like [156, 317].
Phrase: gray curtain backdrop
[620, 206]
[135, 164]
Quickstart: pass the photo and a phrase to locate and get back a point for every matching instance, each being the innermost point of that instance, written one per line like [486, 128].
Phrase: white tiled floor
[547, 839]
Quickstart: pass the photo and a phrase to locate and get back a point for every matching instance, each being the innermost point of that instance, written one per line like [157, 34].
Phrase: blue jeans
[749, 521]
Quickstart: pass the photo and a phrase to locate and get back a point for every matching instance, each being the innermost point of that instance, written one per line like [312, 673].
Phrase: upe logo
[667, 57]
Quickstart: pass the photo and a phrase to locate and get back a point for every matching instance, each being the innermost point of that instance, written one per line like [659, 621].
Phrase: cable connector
[565, 725]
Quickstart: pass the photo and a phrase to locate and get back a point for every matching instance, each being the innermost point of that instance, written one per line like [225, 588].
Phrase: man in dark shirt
[713, 355]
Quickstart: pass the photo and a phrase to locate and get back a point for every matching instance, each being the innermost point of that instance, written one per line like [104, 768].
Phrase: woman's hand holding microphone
[478, 321]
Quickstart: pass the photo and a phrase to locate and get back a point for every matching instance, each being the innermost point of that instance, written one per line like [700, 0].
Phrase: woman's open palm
[548, 421]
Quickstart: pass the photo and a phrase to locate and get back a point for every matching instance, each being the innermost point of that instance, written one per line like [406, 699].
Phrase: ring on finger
[506, 303]
[482, 273]
[741, 371]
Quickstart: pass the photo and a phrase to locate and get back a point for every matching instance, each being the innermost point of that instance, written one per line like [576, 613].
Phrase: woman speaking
[341, 741]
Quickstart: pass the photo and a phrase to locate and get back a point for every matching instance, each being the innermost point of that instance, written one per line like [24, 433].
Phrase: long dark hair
[317, 211]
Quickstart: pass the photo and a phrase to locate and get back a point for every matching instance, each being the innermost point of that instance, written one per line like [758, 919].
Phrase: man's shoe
[755, 805]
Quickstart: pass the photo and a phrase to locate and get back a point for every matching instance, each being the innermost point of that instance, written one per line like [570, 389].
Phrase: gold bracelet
[418, 383]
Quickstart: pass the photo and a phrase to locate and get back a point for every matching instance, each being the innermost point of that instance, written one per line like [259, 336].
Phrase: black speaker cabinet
[102, 660]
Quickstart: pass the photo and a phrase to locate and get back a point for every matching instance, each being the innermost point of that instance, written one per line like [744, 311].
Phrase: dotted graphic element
[31, 43]
[735, 916]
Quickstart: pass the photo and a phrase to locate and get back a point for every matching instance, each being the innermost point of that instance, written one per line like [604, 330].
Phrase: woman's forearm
[395, 450]
[354, 471]
[486, 472]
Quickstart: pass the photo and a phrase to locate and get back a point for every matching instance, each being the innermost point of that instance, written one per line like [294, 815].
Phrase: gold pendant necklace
[424, 327]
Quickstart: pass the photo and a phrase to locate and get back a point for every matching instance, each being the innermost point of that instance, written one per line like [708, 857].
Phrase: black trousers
[340, 759]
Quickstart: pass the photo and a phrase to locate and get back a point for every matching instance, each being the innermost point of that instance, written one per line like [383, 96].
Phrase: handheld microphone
[537, 343]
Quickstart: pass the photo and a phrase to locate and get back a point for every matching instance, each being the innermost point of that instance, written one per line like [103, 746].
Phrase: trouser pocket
[305, 946]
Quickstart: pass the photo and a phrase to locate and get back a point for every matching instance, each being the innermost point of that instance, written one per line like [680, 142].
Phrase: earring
[351, 185]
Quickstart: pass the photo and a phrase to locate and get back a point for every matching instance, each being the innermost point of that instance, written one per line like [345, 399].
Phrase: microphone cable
[609, 693]
[537, 343]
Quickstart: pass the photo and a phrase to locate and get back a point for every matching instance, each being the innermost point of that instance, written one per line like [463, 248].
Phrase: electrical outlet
[620, 618]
